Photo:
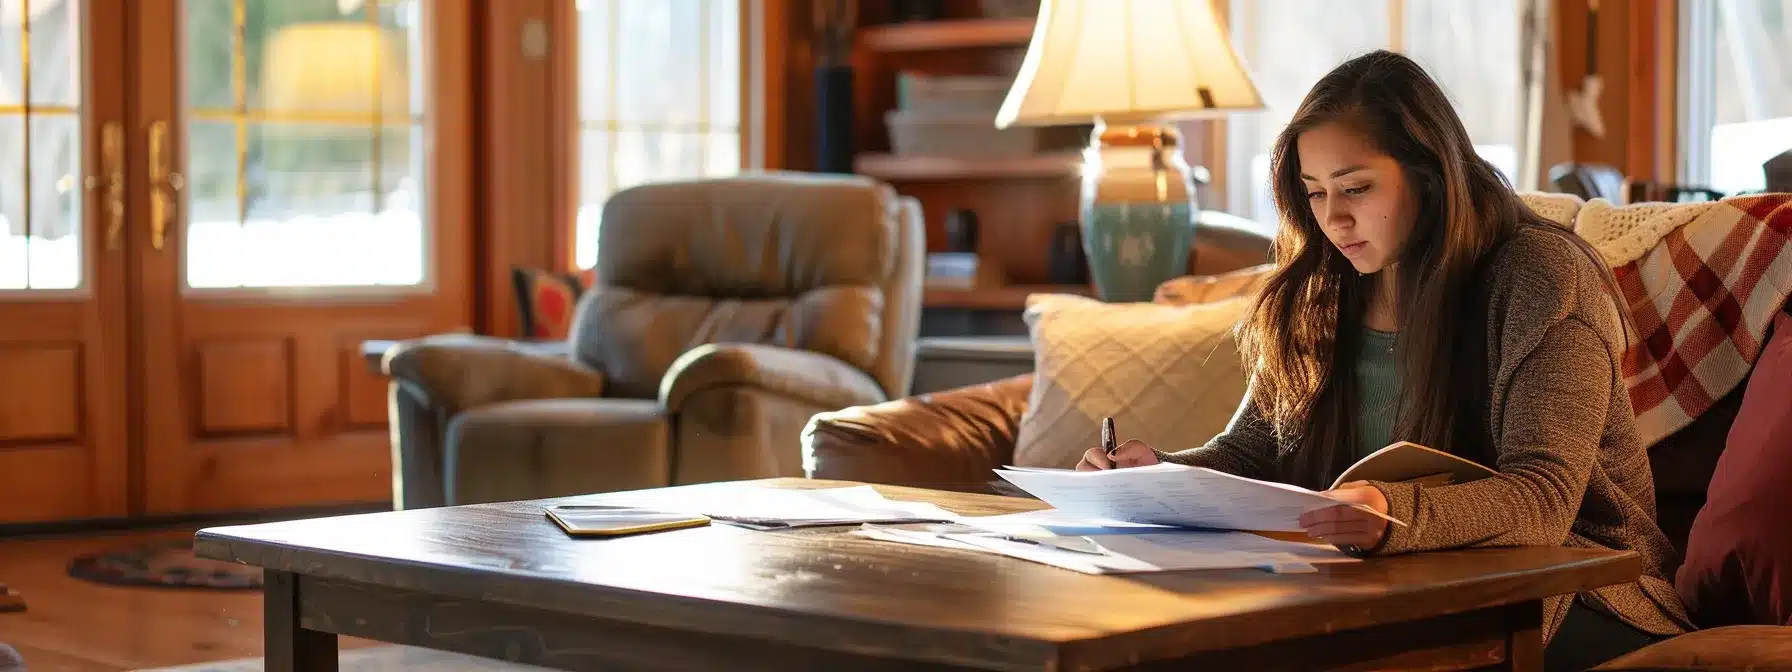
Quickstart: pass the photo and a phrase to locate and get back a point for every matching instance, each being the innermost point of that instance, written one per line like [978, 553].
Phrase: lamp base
[1138, 207]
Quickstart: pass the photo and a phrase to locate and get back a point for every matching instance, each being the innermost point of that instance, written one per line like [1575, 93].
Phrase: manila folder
[1407, 461]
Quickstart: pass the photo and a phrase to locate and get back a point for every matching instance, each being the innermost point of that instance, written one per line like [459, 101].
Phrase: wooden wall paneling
[1639, 104]
[564, 138]
[1613, 59]
[1653, 68]
[516, 132]
[798, 96]
[765, 105]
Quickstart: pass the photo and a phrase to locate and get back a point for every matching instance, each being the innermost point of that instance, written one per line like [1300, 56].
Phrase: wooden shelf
[1011, 297]
[948, 34]
[894, 167]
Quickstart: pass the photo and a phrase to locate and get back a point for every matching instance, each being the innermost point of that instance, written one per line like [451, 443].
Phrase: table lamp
[1129, 66]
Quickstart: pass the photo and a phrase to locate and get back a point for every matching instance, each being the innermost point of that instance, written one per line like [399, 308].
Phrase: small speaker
[1067, 265]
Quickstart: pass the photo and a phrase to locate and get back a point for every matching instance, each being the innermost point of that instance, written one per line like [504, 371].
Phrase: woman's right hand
[1133, 453]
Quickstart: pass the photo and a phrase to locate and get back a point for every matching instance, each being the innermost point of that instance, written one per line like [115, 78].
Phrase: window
[659, 99]
[1735, 92]
[40, 144]
[305, 143]
[1469, 46]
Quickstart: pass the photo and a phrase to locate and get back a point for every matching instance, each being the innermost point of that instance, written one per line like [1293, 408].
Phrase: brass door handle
[165, 184]
[111, 179]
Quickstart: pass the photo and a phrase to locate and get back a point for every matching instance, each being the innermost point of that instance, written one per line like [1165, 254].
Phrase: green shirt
[1377, 392]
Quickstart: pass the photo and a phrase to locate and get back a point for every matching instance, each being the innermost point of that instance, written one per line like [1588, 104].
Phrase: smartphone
[586, 520]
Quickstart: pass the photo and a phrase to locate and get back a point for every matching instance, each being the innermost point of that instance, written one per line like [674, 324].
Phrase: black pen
[1108, 443]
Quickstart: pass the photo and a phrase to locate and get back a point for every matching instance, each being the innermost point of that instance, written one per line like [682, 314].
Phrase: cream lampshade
[1125, 65]
[1126, 61]
[345, 67]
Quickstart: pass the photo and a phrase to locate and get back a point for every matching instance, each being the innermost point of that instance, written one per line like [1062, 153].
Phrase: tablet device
[587, 520]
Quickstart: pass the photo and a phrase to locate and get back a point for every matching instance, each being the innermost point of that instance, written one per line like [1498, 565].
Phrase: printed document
[1175, 495]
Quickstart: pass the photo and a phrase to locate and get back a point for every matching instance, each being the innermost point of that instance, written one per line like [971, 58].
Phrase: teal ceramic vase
[1138, 206]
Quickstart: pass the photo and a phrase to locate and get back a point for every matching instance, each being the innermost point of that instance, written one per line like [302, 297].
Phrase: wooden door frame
[110, 42]
[75, 461]
[528, 77]
[167, 375]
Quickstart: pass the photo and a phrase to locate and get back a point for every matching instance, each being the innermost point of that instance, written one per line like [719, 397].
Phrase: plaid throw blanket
[1703, 281]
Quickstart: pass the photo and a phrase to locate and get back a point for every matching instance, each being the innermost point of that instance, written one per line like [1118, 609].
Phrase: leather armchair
[951, 440]
[725, 313]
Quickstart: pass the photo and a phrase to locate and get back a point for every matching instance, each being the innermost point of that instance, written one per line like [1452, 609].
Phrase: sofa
[723, 315]
[954, 439]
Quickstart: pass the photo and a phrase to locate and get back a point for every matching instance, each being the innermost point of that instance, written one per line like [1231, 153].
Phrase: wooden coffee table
[500, 580]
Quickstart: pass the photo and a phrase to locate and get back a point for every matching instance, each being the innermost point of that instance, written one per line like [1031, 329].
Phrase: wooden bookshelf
[894, 167]
[1011, 297]
[948, 34]
[1018, 202]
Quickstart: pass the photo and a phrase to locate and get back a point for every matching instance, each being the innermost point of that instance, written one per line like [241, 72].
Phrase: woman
[1416, 298]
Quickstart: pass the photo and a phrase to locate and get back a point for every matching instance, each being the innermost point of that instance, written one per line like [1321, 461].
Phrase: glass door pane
[40, 145]
[304, 127]
[659, 99]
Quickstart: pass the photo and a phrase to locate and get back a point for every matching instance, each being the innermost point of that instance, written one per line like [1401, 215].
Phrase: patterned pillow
[1168, 375]
[545, 301]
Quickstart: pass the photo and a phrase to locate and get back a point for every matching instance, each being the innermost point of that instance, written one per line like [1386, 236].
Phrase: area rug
[375, 659]
[169, 564]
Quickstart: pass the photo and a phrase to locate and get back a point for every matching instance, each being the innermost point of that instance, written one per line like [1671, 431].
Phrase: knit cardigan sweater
[1572, 470]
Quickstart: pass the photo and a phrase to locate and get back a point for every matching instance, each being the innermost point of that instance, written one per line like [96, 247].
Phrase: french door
[273, 182]
[64, 411]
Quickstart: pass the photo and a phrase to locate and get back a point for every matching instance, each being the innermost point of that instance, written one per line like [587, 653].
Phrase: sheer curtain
[1741, 100]
[1470, 46]
[659, 99]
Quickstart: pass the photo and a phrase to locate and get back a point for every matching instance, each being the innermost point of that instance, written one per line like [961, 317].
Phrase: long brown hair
[1302, 337]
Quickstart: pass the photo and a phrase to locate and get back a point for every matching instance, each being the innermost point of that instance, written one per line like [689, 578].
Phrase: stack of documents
[1175, 495]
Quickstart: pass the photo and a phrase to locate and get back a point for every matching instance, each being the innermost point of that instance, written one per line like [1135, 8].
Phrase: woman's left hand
[1348, 526]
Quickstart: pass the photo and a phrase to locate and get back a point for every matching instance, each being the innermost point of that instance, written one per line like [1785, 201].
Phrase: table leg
[1524, 639]
[289, 646]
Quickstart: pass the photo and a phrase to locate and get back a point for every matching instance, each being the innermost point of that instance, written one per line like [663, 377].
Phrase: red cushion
[545, 301]
[1738, 566]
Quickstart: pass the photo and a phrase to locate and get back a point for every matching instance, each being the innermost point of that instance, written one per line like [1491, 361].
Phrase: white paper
[781, 507]
[1054, 521]
[1176, 495]
[1155, 551]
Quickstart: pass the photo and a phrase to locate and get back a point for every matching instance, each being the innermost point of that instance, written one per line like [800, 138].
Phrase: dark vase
[914, 10]
[961, 231]
[833, 100]
[1067, 265]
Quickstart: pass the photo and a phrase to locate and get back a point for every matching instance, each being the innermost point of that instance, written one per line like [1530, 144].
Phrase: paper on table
[778, 508]
[1132, 553]
[1173, 551]
[1178, 495]
[1055, 521]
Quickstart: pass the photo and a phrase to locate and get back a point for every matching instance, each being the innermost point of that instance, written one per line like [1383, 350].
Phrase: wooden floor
[72, 624]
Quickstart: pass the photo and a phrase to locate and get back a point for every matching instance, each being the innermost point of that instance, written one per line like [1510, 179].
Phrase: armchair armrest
[800, 375]
[455, 372]
[950, 440]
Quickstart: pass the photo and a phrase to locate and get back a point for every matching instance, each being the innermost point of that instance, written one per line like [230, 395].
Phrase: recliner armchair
[725, 313]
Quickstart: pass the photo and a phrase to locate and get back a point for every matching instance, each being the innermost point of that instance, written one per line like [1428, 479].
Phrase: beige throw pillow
[1169, 375]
